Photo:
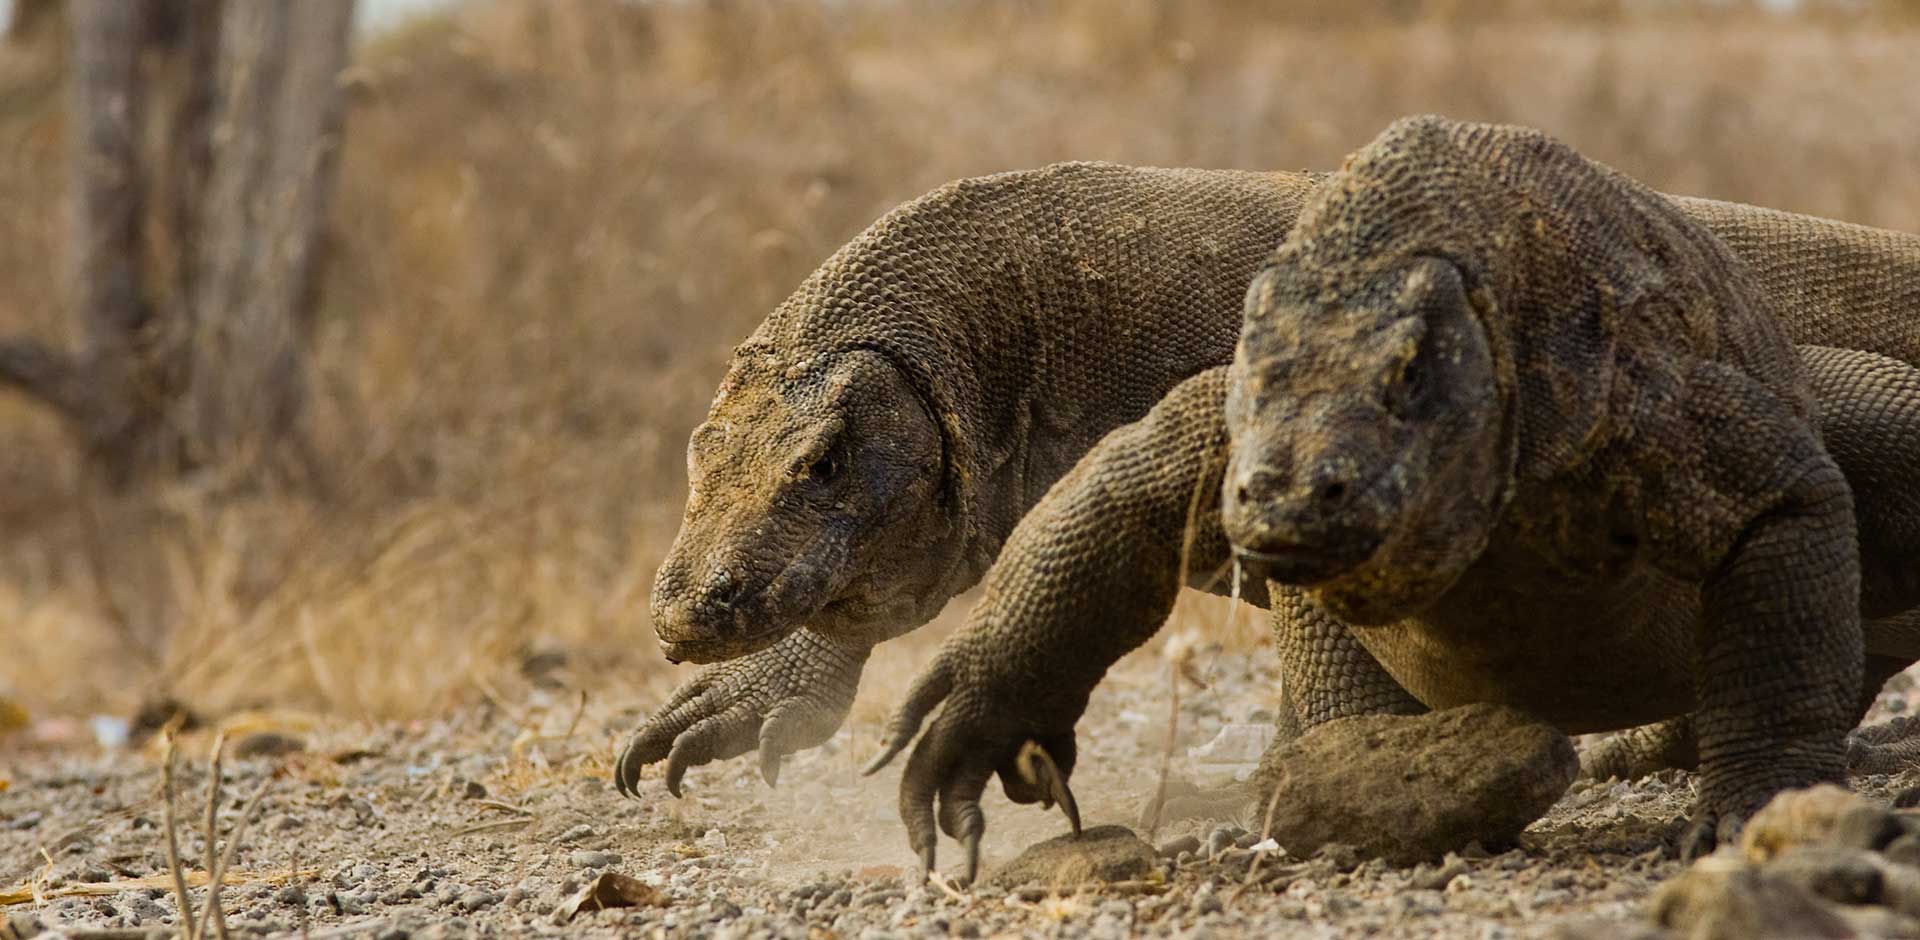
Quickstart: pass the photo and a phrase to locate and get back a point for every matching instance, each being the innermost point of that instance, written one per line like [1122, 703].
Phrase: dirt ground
[484, 822]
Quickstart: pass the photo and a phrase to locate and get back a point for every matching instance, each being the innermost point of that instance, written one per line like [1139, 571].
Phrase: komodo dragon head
[1369, 405]
[809, 482]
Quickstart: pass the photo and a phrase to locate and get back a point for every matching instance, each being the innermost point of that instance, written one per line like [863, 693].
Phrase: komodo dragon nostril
[723, 589]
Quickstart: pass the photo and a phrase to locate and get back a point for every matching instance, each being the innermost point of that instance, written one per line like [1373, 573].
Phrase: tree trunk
[262, 229]
[204, 140]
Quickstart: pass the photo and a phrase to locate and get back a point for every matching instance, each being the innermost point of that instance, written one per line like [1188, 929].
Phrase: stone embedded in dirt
[1824, 815]
[21, 927]
[1412, 788]
[1186, 843]
[1721, 899]
[267, 744]
[1103, 854]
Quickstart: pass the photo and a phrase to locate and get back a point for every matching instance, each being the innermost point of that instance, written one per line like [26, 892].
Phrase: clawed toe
[1039, 770]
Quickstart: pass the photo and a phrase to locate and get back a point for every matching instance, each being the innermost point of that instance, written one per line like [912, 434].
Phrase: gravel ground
[485, 822]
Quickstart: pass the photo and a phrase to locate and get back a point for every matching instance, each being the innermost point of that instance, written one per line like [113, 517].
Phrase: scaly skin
[1061, 339]
[1063, 569]
[1060, 595]
[879, 436]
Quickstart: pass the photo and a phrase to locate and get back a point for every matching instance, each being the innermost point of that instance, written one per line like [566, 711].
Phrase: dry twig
[188, 928]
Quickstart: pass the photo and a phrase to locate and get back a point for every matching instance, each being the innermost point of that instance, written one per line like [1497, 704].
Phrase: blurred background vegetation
[554, 218]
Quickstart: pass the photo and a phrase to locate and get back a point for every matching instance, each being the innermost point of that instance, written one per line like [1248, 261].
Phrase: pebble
[1222, 836]
[1176, 847]
[591, 858]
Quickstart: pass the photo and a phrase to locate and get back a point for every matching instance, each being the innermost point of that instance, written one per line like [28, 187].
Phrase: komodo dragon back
[1833, 283]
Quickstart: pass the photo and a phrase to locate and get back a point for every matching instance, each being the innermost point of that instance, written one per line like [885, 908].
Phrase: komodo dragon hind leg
[1642, 751]
[1669, 745]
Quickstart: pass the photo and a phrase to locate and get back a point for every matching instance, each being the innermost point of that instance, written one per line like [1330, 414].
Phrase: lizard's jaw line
[720, 650]
[1301, 564]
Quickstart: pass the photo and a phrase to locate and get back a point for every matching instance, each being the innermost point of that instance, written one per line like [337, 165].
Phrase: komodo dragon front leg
[1870, 421]
[788, 697]
[1090, 575]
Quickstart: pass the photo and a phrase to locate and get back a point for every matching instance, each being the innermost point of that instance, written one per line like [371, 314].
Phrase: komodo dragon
[1529, 424]
[970, 347]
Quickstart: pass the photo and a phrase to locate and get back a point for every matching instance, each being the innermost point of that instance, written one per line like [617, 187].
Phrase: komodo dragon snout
[1346, 462]
[807, 483]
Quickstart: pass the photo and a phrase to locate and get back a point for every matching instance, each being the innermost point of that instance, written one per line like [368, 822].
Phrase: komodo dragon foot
[1872, 749]
[1881, 748]
[785, 698]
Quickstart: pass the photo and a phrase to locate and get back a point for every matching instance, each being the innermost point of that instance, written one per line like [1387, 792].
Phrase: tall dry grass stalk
[557, 216]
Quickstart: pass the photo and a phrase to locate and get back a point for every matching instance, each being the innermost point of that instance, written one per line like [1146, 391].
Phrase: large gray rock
[1413, 788]
[1100, 854]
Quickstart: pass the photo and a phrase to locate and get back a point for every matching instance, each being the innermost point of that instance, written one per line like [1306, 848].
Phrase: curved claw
[785, 698]
[1037, 767]
[928, 691]
[676, 771]
[626, 773]
[970, 843]
[1709, 831]
[886, 756]
[770, 765]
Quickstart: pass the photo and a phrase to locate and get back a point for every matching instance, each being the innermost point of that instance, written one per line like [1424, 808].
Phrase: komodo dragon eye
[1409, 387]
[824, 469]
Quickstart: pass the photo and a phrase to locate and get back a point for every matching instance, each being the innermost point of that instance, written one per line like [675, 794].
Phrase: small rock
[1822, 815]
[1594, 928]
[478, 900]
[267, 744]
[1103, 853]
[1721, 899]
[1222, 837]
[590, 858]
[577, 833]
[1842, 875]
[1173, 848]
[1412, 788]
[1436, 877]
[26, 820]
[1878, 922]
[21, 926]
[1340, 855]
[1904, 850]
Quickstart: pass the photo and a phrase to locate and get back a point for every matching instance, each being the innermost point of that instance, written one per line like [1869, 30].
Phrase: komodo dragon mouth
[721, 649]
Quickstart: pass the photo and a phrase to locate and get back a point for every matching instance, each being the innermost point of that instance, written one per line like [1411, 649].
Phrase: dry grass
[557, 217]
